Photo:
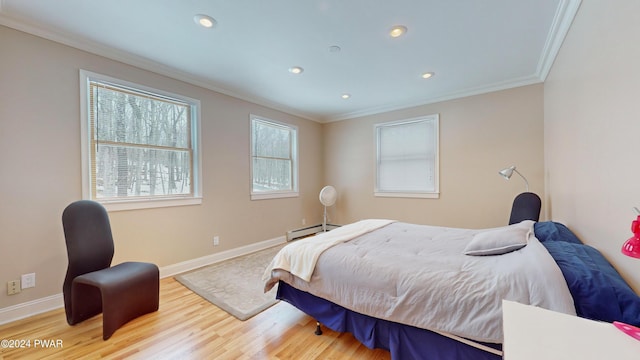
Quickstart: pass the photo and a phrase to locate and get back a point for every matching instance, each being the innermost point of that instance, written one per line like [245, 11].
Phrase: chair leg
[120, 307]
[122, 292]
[86, 302]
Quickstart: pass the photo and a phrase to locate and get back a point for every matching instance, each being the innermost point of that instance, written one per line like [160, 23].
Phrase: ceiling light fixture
[398, 31]
[427, 75]
[334, 49]
[346, 96]
[296, 70]
[204, 20]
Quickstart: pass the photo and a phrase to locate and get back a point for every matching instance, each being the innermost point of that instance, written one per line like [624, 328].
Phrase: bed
[542, 264]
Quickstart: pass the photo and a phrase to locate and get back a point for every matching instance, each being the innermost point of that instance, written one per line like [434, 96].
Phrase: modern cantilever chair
[526, 206]
[91, 286]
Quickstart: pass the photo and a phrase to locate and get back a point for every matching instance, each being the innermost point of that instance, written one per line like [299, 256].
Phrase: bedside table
[532, 333]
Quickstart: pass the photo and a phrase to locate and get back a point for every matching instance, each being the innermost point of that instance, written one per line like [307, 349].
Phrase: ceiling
[471, 46]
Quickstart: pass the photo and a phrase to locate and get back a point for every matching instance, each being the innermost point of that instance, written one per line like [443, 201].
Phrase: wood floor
[185, 327]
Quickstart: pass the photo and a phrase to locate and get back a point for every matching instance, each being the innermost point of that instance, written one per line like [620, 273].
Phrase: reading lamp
[631, 247]
[506, 173]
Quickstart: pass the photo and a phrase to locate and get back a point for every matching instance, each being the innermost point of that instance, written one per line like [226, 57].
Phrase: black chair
[91, 286]
[526, 206]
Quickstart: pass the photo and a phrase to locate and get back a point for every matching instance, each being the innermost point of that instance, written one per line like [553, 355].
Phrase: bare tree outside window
[273, 158]
[141, 144]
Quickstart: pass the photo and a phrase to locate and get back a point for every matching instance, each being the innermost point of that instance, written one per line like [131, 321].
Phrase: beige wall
[479, 135]
[592, 128]
[585, 120]
[40, 170]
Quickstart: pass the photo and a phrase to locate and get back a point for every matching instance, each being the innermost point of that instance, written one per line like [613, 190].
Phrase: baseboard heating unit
[311, 230]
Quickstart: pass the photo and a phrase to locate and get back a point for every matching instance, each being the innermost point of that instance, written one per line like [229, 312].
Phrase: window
[407, 158]
[140, 145]
[274, 163]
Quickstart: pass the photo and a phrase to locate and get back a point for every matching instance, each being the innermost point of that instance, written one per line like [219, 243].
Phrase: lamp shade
[508, 172]
[631, 247]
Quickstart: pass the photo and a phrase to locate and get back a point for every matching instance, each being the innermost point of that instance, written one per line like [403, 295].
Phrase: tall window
[407, 158]
[274, 163]
[140, 143]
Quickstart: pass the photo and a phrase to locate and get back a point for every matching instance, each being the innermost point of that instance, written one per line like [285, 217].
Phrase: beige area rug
[235, 285]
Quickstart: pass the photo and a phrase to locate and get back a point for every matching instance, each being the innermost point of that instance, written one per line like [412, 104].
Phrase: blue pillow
[598, 291]
[554, 231]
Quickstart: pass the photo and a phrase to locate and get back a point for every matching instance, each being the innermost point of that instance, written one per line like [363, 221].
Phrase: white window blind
[141, 143]
[407, 158]
[273, 159]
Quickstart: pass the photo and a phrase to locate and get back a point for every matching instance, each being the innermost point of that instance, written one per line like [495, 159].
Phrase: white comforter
[299, 258]
[418, 275]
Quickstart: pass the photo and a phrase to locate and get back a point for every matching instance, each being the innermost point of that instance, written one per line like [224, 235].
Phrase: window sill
[124, 205]
[435, 195]
[273, 195]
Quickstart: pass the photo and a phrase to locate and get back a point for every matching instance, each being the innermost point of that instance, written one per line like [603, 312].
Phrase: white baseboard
[184, 266]
[310, 230]
[38, 306]
[30, 308]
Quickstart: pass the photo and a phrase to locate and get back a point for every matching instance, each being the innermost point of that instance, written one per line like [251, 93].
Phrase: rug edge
[215, 301]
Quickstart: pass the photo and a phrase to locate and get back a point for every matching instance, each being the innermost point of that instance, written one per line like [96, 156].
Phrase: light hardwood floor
[185, 327]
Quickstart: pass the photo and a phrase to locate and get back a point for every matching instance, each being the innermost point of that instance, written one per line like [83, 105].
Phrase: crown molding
[566, 12]
[510, 84]
[139, 62]
[562, 21]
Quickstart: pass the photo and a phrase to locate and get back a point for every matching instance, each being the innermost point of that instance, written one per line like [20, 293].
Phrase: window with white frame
[140, 145]
[407, 158]
[274, 163]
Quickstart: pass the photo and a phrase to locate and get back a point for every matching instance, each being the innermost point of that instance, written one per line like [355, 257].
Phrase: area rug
[235, 285]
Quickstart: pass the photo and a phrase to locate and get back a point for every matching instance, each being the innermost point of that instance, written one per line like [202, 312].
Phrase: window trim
[275, 194]
[86, 158]
[377, 192]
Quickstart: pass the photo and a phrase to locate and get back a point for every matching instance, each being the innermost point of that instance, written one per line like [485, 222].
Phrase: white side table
[532, 333]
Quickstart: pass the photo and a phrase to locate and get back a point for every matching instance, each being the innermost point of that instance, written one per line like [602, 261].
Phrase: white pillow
[500, 241]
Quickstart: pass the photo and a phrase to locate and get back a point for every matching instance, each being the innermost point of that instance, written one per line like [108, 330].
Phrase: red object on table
[631, 247]
[630, 330]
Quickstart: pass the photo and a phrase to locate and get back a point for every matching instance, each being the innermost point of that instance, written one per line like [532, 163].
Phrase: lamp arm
[524, 178]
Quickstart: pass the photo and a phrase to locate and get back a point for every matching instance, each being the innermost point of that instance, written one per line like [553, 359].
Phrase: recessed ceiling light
[296, 70]
[398, 31]
[204, 20]
[345, 96]
[334, 49]
[427, 75]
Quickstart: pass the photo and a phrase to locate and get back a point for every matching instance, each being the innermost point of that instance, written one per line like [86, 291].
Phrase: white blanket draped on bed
[418, 275]
[299, 258]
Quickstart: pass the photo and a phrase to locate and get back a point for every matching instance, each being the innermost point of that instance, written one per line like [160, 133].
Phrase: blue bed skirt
[402, 341]
[598, 292]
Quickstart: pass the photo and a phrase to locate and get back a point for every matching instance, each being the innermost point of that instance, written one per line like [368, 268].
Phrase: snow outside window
[274, 163]
[140, 145]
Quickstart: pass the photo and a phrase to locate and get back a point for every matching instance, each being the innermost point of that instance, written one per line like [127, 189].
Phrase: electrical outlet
[216, 240]
[304, 221]
[28, 280]
[13, 287]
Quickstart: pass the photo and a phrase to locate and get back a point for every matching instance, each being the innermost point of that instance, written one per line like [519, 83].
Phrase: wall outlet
[28, 280]
[304, 221]
[13, 287]
[216, 240]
